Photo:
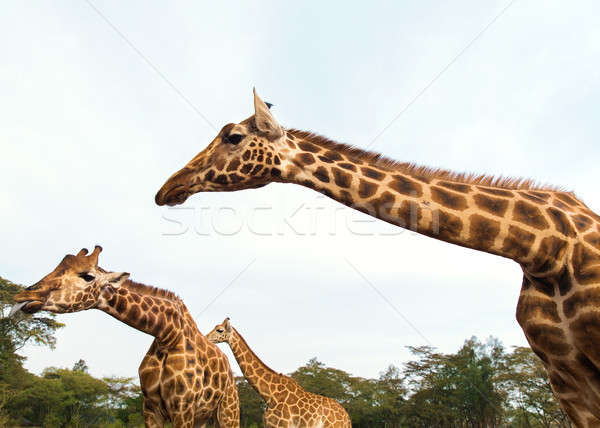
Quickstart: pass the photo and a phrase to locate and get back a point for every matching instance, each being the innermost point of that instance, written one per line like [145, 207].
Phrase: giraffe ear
[265, 122]
[227, 325]
[115, 279]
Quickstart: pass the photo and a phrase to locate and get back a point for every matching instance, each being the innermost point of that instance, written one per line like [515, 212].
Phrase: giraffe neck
[157, 316]
[253, 369]
[494, 216]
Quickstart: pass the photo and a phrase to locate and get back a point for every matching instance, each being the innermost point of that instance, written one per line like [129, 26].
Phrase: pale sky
[102, 101]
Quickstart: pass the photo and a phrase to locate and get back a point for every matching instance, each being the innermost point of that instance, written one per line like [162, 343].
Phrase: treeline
[481, 385]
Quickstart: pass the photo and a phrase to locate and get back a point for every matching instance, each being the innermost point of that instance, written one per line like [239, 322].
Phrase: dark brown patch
[491, 204]
[234, 164]
[586, 331]
[276, 160]
[567, 199]
[459, 187]
[327, 193]
[305, 158]
[593, 239]
[544, 287]
[384, 205]
[533, 198]
[247, 155]
[586, 264]
[134, 313]
[542, 195]
[448, 199]
[341, 178]
[235, 178]
[534, 307]
[366, 189]
[221, 179]
[497, 192]
[581, 299]
[246, 168]
[558, 204]
[324, 159]
[518, 243]
[449, 228]
[257, 168]
[561, 222]
[409, 213]
[405, 186]
[372, 173]
[483, 231]
[309, 147]
[121, 305]
[348, 166]
[321, 174]
[346, 198]
[564, 282]
[547, 254]
[548, 338]
[334, 156]
[529, 214]
[582, 222]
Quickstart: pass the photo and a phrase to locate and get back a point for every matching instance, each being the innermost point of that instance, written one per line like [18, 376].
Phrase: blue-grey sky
[102, 101]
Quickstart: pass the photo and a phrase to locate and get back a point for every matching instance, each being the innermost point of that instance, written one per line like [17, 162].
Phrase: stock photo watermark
[315, 217]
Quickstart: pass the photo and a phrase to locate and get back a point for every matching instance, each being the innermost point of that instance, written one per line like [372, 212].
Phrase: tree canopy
[481, 385]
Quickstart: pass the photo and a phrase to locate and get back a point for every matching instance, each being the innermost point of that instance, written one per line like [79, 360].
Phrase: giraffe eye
[220, 330]
[86, 277]
[234, 138]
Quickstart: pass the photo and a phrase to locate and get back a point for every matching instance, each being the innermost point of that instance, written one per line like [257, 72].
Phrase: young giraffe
[185, 378]
[288, 405]
[550, 233]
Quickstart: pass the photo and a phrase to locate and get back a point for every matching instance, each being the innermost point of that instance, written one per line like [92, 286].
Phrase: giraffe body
[288, 404]
[553, 236]
[184, 377]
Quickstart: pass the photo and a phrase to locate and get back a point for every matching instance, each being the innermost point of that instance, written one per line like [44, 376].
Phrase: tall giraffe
[185, 378]
[549, 232]
[288, 404]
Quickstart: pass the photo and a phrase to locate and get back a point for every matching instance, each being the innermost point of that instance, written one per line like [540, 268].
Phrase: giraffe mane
[148, 290]
[426, 172]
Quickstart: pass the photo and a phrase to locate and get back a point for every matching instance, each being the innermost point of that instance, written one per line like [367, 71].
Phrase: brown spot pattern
[448, 199]
[529, 214]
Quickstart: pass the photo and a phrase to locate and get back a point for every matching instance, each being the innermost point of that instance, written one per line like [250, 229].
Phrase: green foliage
[481, 385]
[252, 406]
[533, 403]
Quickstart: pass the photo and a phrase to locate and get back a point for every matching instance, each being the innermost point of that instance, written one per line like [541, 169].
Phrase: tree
[456, 390]
[252, 406]
[315, 377]
[530, 392]
[16, 332]
[390, 396]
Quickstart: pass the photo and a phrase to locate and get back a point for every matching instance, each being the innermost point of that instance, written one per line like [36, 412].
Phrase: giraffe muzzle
[171, 197]
[28, 307]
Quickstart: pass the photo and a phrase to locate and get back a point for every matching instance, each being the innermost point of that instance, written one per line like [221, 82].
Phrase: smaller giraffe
[288, 405]
[185, 378]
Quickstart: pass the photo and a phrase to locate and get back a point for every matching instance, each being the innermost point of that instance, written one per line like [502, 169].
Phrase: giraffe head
[245, 155]
[74, 285]
[221, 333]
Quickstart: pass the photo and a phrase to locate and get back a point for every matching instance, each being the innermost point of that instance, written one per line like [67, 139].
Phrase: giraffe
[288, 404]
[551, 234]
[185, 378]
